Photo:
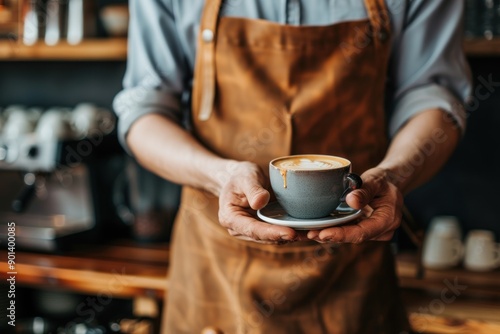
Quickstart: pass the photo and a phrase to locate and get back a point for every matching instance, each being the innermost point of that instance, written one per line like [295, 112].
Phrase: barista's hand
[242, 193]
[382, 201]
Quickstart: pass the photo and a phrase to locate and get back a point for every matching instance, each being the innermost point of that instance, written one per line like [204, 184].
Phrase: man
[272, 78]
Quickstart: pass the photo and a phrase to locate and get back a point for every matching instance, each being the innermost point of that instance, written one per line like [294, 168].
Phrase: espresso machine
[50, 166]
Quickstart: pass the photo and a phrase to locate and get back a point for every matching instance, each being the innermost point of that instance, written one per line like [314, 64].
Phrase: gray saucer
[273, 213]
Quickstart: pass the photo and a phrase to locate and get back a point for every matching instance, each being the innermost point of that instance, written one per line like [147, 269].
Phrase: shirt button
[207, 35]
[382, 35]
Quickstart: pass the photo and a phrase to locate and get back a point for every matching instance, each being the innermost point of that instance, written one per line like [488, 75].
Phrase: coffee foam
[308, 163]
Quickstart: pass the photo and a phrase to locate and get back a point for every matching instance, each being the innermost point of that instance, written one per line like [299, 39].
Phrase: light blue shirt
[427, 67]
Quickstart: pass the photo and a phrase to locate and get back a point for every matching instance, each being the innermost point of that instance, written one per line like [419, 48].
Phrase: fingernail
[287, 237]
[312, 235]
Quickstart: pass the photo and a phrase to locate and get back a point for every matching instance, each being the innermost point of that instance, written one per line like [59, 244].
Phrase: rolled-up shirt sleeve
[428, 67]
[154, 77]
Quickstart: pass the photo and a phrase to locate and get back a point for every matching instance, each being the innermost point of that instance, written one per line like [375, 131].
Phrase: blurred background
[93, 227]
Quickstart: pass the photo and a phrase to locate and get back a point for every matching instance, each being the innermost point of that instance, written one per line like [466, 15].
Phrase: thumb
[372, 186]
[256, 194]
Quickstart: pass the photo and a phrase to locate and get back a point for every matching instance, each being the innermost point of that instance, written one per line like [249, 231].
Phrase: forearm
[163, 147]
[420, 149]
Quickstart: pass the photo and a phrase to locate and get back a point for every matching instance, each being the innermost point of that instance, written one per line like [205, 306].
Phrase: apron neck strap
[210, 14]
[380, 19]
[206, 49]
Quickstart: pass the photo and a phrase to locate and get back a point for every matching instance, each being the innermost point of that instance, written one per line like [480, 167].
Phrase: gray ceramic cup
[311, 186]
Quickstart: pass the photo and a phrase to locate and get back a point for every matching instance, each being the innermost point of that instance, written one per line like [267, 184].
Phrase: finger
[368, 229]
[244, 224]
[258, 198]
[256, 194]
[313, 234]
[383, 221]
[346, 234]
[263, 242]
[301, 236]
[372, 185]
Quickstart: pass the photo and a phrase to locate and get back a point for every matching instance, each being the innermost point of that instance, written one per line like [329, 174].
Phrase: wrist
[227, 171]
[388, 173]
[394, 175]
[218, 175]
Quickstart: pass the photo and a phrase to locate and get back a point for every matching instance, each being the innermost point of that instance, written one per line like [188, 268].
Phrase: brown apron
[264, 90]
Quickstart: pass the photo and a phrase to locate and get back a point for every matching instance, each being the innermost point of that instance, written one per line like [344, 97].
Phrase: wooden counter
[123, 268]
[452, 301]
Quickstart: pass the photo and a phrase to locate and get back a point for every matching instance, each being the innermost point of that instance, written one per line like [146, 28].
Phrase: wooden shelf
[478, 284]
[116, 49]
[91, 50]
[482, 47]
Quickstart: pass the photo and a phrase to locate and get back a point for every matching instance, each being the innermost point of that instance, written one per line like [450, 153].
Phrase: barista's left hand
[382, 201]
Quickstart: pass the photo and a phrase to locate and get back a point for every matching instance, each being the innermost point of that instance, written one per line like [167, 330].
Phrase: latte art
[308, 164]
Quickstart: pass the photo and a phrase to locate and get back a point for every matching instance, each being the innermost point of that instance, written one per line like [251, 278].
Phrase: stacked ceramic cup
[443, 247]
[481, 251]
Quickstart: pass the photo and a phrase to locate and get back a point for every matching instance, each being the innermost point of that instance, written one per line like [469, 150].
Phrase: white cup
[481, 251]
[446, 225]
[53, 125]
[443, 247]
[18, 124]
[85, 118]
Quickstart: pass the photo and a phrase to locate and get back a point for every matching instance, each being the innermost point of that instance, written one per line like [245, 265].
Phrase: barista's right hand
[242, 193]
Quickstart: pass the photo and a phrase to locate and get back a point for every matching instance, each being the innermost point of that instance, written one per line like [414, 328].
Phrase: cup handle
[497, 256]
[354, 182]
